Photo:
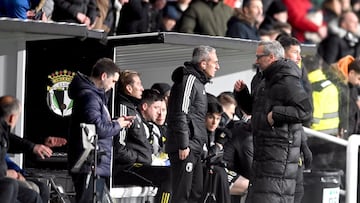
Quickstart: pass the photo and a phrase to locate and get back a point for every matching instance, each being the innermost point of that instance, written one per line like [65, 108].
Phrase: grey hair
[273, 47]
[8, 105]
[201, 53]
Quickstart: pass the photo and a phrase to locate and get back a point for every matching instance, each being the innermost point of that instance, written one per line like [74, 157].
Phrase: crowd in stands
[310, 21]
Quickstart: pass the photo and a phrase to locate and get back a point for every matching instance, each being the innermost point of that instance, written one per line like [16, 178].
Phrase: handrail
[325, 136]
[352, 150]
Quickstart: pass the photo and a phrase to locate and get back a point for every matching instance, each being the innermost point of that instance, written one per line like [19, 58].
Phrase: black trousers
[187, 178]
[27, 195]
[84, 187]
[43, 187]
[8, 190]
[216, 185]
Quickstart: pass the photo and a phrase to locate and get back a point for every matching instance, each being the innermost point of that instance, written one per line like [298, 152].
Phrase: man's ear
[11, 119]
[203, 65]
[128, 88]
[272, 56]
[103, 76]
[144, 106]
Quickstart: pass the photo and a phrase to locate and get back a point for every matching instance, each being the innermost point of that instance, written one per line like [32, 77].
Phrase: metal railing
[352, 149]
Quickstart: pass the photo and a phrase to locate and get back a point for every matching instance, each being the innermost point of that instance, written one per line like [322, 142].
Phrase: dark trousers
[187, 178]
[43, 187]
[27, 195]
[8, 190]
[84, 187]
[216, 185]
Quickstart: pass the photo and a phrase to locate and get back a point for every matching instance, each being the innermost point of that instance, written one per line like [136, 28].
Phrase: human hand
[183, 154]
[322, 31]
[55, 141]
[30, 14]
[42, 150]
[270, 118]
[14, 174]
[11, 173]
[239, 85]
[82, 18]
[125, 121]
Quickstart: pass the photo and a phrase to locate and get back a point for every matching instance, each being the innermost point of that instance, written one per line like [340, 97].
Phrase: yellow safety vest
[326, 103]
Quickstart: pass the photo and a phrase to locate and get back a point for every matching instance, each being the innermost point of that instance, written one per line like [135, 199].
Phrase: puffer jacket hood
[82, 82]
[187, 69]
[281, 68]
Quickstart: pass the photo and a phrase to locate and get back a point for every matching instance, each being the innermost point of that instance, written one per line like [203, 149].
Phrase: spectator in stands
[89, 106]
[277, 13]
[186, 123]
[74, 11]
[131, 146]
[140, 16]
[298, 11]
[177, 8]
[23, 9]
[338, 45]
[169, 18]
[106, 16]
[332, 10]
[270, 112]
[206, 18]
[349, 108]
[244, 24]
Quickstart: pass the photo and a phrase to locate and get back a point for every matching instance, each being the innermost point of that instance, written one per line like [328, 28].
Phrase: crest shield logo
[57, 95]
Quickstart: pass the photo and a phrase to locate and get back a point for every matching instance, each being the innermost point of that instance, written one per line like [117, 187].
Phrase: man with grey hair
[278, 105]
[186, 123]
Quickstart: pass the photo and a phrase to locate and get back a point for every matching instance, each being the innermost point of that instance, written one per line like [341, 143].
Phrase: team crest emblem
[189, 167]
[57, 97]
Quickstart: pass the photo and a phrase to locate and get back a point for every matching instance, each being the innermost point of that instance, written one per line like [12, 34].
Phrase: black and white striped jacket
[187, 110]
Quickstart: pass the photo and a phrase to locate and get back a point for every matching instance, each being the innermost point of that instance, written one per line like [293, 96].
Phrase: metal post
[352, 168]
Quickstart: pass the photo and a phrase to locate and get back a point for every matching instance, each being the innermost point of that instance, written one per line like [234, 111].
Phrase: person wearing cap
[277, 13]
[170, 16]
[163, 89]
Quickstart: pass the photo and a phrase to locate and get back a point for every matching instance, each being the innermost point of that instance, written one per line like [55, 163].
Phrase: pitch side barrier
[352, 149]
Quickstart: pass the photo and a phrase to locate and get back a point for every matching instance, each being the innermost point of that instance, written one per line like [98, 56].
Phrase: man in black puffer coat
[279, 106]
[186, 123]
